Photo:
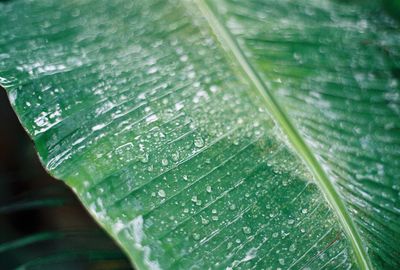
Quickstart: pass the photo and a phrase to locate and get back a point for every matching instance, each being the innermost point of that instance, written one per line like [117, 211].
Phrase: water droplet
[213, 88]
[194, 199]
[275, 234]
[191, 75]
[164, 162]
[292, 247]
[204, 221]
[214, 211]
[199, 142]
[196, 236]
[215, 218]
[304, 210]
[208, 189]
[152, 70]
[246, 230]
[175, 156]
[186, 210]
[282, 261]
[302, 230]
[161, 193]
[144, 158]
[290, 221]
[183, 58]
[185, 177]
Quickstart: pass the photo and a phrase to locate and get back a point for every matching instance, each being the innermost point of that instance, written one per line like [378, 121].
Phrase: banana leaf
[222, 134]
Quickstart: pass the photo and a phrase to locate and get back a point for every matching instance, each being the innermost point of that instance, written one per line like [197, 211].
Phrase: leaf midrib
[280, 117]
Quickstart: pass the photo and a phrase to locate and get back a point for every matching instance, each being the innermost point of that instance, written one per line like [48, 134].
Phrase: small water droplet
[282, 261]
[186, 210]
[199, 142]
[191, 75]
[275, 235]
[292, 247]
[208, 189]
[164, 162]
[290, 221]
[214, 211]
[204, 221]
[152, 70]
[185, 177]
[215, 218]
[196, 236]
[144, 158]
[304, 210]
[161, 193]
[213, 88]
[194, 199]
[175, 156]
[246, 230]
[232, 206]
[183, 58]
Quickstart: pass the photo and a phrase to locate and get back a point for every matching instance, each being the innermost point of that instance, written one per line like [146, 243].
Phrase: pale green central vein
[295, 139]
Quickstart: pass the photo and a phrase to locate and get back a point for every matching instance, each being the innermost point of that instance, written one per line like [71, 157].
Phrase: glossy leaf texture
[219, 134]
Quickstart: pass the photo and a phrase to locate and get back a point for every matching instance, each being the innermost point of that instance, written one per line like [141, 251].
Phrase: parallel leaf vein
[296, 141]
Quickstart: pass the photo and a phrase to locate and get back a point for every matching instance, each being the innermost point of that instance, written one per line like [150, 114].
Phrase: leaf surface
[224, 134]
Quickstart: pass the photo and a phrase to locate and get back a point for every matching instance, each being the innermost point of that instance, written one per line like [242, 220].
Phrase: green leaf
[218, 134]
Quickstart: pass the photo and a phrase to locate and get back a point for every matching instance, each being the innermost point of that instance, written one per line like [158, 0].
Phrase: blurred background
[42, 224]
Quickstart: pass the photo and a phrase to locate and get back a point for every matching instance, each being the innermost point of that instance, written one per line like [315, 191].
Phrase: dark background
[42, 224]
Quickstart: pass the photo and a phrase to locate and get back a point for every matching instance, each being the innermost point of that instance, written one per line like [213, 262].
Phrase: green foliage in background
[218, 134]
